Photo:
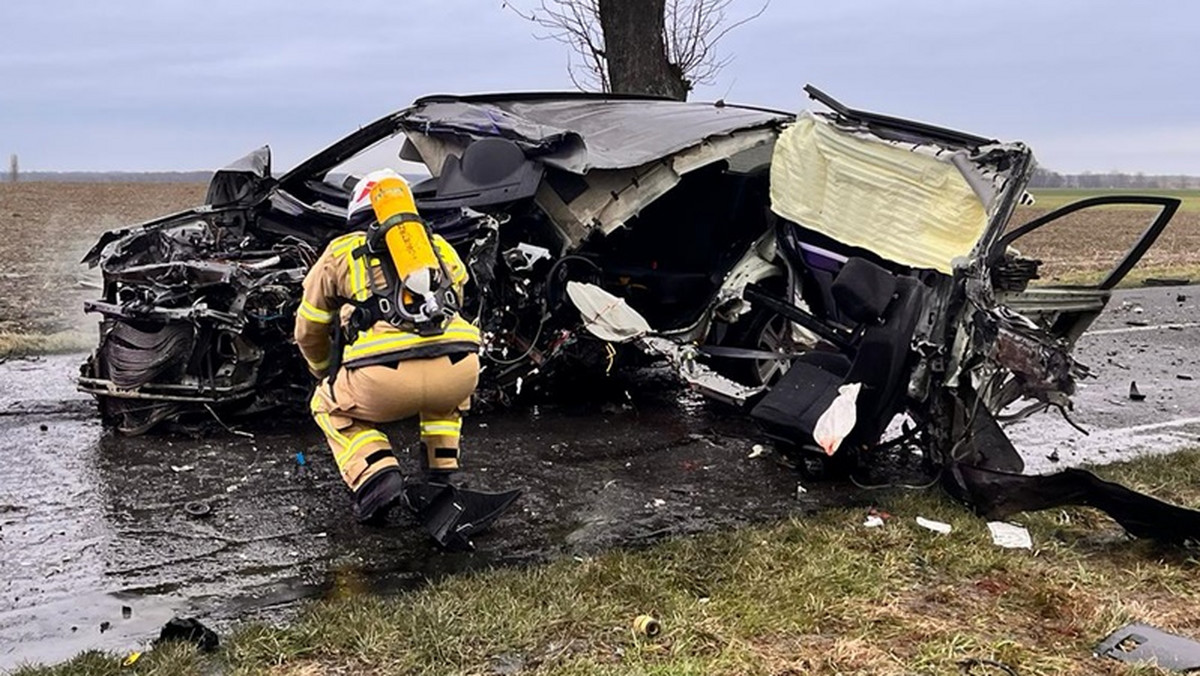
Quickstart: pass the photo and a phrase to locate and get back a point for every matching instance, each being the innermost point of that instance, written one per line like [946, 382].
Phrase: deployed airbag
[606, 316]
[900, 202]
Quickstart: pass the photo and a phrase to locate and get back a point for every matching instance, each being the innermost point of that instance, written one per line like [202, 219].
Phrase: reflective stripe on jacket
[337, 277]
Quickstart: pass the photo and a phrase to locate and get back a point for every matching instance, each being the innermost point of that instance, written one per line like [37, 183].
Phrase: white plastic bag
[1010, 535]
[836, 422]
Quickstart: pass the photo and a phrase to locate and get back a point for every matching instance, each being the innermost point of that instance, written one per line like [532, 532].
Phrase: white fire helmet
[361, 197]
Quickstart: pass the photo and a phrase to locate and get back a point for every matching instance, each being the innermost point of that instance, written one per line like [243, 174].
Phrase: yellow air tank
[407, 240]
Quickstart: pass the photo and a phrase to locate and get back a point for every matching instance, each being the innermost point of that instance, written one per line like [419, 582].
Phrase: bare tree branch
[692, 30]
[576, 24]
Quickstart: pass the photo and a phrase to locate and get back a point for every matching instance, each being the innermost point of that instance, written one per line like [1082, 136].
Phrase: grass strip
[820, 594]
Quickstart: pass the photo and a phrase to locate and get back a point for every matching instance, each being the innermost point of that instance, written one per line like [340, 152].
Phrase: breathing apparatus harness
[417, 294]
[421, 302]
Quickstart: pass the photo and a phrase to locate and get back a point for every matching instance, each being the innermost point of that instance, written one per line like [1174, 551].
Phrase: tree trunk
[635, 51]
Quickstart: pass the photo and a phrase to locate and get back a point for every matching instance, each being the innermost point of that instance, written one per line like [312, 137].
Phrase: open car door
[1066, 307]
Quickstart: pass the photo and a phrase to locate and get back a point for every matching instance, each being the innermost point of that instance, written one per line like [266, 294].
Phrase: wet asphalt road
[1149, 336]
[96, 550]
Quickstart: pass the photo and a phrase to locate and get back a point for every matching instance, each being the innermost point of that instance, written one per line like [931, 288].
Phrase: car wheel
[762, 330]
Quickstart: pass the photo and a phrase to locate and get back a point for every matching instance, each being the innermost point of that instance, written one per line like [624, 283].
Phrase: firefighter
[376, 362]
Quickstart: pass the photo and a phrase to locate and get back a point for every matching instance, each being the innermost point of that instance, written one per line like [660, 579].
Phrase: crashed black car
[663, 203]
[772, 258]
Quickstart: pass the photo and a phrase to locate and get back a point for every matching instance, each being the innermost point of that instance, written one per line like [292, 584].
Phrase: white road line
[1178, 422]
[1132, 329]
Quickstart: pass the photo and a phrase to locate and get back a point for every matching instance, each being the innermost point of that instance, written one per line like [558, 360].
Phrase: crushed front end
[193, 309]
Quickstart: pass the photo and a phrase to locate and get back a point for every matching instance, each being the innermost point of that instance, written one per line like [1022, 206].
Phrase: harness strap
[361, 318]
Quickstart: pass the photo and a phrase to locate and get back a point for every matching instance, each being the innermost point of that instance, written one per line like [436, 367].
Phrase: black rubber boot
[438, 476]
[374, 498]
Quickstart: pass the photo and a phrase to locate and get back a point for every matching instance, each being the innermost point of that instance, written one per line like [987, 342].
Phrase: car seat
[885, 309]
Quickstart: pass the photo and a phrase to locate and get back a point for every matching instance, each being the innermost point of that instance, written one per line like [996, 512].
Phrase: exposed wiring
[527, 352]
[912, 487]
[227, 427]
[545, 312]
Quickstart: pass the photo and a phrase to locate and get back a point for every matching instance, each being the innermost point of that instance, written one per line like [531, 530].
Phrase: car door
[1068, 306]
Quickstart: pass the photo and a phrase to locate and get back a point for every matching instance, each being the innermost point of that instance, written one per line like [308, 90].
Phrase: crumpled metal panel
[134, 357]
[998, 495]
[579, 135]
[613, 197]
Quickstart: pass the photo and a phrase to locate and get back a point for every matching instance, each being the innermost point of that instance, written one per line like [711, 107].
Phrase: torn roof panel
[578, 134]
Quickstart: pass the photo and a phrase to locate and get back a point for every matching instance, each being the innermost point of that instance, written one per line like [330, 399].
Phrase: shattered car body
[898, 241]
[661, 203]
[848, 246]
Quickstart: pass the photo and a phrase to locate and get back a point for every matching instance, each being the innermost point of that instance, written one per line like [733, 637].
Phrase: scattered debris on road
[647, 626]
[996, 495]
[873, 521]
[197, 509]
[1166, 281]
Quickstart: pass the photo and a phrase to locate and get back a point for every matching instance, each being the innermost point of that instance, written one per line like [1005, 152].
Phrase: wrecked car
[771, 258]
[661, 203]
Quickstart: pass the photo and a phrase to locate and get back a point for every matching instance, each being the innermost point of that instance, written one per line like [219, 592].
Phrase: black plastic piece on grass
[1143, 643]
[189, 630]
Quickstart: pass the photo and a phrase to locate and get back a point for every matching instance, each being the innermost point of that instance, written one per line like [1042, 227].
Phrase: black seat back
[862, 290]
[881, 362]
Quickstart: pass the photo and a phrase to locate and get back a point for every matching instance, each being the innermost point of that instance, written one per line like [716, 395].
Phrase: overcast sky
[179, 84]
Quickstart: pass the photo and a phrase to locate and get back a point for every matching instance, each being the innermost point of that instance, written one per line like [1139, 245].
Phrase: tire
[760, 329]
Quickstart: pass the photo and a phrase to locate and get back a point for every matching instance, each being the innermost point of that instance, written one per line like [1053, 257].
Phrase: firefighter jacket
[337, 279]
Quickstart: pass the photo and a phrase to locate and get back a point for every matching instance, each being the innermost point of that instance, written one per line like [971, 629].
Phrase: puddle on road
[91, 518]
[57, 629]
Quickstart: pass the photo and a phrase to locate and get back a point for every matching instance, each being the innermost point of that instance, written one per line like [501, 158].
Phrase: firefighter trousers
[438, 389]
